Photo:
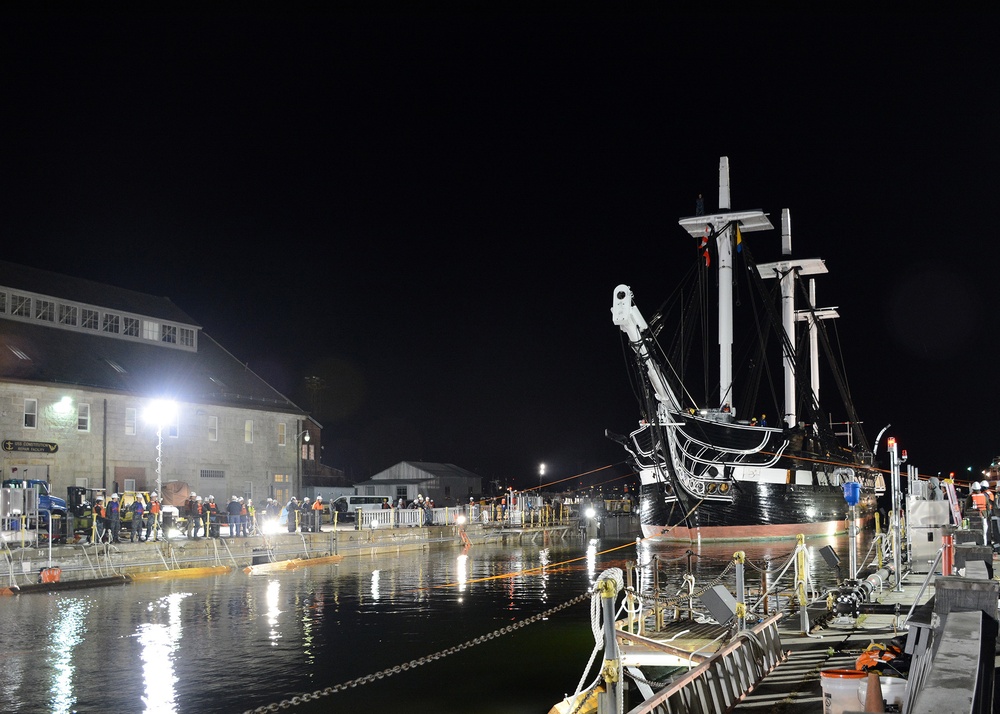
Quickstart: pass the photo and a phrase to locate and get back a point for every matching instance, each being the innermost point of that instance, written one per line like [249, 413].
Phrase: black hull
[754, 510]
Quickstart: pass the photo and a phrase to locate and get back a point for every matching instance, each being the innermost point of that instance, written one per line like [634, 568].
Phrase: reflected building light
[67, 635]
[271, 597]
[544, 558]
[307, 631]
[375, 585]
[462, 572]
[592, 561]
[158, 645]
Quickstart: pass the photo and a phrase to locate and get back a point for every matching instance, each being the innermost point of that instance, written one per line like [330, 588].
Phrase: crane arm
[626, 315]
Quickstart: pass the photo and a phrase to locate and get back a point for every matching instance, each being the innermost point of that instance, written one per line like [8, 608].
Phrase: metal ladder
[720, 682]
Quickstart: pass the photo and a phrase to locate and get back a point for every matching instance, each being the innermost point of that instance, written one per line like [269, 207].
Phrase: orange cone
[873, 697]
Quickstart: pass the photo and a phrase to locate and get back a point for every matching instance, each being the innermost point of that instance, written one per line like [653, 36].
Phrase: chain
[413, 664]
[651, 682]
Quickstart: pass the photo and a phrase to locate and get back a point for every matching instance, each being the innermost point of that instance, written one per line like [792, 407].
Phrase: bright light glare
[460, 520]
[63, 406]
[160, 412]
[590, 513]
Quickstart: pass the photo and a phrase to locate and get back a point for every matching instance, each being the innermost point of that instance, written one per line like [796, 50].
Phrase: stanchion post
[948, 554]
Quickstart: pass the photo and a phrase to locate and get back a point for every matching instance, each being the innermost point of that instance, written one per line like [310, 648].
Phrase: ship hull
[753, 511]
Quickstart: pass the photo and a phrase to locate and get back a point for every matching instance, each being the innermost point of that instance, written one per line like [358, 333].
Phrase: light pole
[298, 457]
[160, 412]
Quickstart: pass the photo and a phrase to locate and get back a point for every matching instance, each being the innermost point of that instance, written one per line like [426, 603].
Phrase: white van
[347, 505]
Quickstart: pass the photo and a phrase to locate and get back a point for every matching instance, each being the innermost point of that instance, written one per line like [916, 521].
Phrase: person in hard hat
[305, 519]
[153, 519]
[190, 511]
[292, 512]
[976, 501]
[233, 516]
[138, 510]
[114, 517]
[244, 517]
[990, 513]
[317, 509]
[100, 523]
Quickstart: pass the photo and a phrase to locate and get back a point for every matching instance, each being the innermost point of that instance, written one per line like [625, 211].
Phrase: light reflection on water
[66, 637]
[229, 643]
[159, 643]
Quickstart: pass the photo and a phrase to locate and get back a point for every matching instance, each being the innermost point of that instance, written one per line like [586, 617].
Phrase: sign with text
[36, 447]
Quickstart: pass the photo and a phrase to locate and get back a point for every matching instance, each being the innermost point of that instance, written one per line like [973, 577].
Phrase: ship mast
[722, 225]
[785, 271]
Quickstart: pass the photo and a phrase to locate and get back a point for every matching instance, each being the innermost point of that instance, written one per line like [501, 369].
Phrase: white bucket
[893, 690]
[840, 689]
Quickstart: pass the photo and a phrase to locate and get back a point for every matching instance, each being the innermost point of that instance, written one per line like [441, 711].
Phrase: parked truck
[46, 501]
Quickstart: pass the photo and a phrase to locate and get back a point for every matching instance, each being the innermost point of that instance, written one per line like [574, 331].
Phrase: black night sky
[429, 209]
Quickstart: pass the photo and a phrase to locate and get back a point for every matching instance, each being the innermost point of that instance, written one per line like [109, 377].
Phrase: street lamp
[298, 457]
[541, 472]
[160, 412]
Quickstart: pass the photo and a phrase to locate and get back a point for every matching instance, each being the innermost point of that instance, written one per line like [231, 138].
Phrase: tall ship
[716, 467]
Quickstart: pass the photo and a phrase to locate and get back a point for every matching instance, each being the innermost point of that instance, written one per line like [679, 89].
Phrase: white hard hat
[198, 499]
[985, 484]
[153, 494]
[193, 494]
[114, 495]
[976, 486]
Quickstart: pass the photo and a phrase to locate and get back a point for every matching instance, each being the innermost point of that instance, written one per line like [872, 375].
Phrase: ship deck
[794, 685]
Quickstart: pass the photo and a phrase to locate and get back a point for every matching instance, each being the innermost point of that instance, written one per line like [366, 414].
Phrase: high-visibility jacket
[979, 500]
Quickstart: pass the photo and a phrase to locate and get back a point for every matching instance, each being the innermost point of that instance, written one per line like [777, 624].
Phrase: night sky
[429, 210]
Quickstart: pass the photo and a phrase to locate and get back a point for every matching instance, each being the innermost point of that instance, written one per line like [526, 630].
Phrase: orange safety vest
[154, 507]
[979, 501]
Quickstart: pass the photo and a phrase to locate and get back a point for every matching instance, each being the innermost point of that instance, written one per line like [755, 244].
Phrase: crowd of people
[202, 517]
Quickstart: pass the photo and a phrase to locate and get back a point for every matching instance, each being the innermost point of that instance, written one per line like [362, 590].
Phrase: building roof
[66, 287]
[413, 469]
[35, 352]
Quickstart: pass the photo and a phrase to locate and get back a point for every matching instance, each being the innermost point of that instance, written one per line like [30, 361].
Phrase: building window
[307, 451]
[20, 305]
[3, 302]
[89, 319]
[83, 417]
[111, 323]
[248, 432]
[169, 334]
[187, 337]
[213, 428]
[131, 327]
[67, 315]
[150, 330]
[281, 433]
[45, 310]
[282, 478]
[212, 473]
[129, 421]
[30, 413]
